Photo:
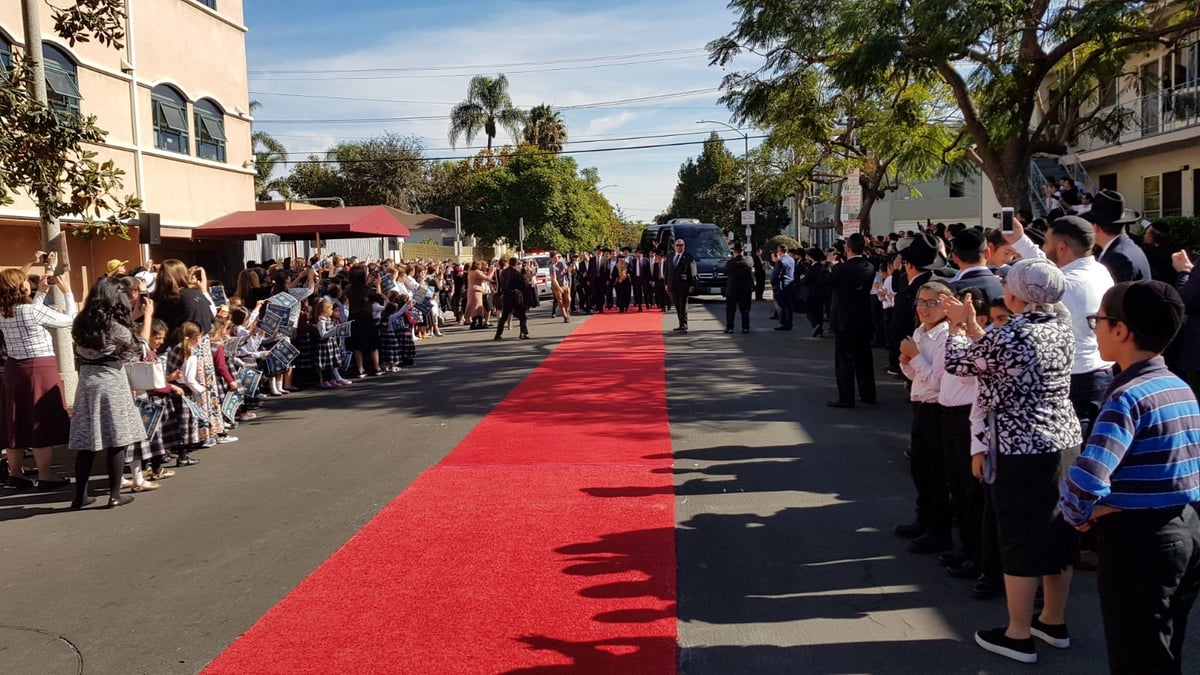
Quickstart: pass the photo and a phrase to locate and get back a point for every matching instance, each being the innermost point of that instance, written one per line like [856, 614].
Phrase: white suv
[542, 280]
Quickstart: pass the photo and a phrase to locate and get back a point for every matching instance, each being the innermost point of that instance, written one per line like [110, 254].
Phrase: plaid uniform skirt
[389, 344]
[329, 353]
[180, 429]
[408, 346]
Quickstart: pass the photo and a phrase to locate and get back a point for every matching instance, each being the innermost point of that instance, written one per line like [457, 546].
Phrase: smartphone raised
[1007, 215]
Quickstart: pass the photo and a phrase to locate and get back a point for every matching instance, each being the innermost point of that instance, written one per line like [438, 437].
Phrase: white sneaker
[227, 439]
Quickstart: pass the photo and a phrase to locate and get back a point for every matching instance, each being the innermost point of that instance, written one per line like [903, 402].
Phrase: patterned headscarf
[1040, 283]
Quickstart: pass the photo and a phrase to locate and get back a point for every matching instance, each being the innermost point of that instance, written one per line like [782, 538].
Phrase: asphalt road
[784, 507]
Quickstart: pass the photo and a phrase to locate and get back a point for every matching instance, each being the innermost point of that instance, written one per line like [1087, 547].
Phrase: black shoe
[996, 642]
[523, 336]
[837, 404]
[497, 338]
[986, 588]
[951, 558]
[87, 501]
[1054, 635]
[53, 484]
[930, 543]
[745, 330]
[114, 502]
[18, 482]
[909, 531]
[683, 330]
[728, 330]
[677, 329]
[967, 569]
[185, 461]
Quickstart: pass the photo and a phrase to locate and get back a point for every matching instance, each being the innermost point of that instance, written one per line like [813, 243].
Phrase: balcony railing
[1157, 113]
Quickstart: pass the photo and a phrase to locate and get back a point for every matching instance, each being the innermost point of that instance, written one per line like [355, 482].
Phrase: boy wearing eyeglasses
[1136, 483]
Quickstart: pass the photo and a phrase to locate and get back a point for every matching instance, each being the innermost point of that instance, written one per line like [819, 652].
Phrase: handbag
[145, 376]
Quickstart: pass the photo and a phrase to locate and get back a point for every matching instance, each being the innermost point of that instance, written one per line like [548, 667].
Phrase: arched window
[62, 80]
[210, 130]
[5, 54]
[170, 119]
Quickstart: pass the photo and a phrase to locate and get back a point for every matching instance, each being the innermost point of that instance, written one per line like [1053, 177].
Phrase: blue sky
[564, 53]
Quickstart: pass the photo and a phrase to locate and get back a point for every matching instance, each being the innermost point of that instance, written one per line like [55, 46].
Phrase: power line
[568, 143]
[535, 152]
[486, 66]
[593, 66]
[426, 118]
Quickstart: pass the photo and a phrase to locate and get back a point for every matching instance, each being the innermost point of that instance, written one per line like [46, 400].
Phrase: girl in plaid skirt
[181, 427]
[151, 452]
[329, 348]
[389, 342]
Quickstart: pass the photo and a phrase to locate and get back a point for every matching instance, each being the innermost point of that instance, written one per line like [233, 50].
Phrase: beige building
[175, 105]
[1156, 162]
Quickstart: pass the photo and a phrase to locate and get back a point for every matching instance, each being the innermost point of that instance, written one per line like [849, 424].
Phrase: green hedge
[1184, 232]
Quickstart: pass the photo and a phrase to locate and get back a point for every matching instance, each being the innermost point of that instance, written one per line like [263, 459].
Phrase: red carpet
[520, 552]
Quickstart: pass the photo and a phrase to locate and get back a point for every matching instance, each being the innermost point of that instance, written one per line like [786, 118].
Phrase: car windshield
[705, 243]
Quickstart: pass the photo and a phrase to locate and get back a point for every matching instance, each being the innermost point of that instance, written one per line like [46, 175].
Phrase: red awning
[340, 223]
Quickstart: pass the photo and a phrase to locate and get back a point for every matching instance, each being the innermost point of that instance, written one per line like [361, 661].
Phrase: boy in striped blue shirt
[1137, 483]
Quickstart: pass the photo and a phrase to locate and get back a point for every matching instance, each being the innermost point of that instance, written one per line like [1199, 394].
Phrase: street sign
[851, 226]
[747, 217]
[749, 232]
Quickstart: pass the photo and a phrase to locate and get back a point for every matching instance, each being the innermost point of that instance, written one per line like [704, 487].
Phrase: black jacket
[904, 318]
[1126, 260]
[851, 283]
[982, 280]
[739, 277]
[681, 277]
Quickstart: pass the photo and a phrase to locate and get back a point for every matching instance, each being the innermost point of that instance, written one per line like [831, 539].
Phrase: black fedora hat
[1108, 208]
[921, 251]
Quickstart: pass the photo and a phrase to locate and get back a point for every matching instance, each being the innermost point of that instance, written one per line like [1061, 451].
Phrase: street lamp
[746, 139]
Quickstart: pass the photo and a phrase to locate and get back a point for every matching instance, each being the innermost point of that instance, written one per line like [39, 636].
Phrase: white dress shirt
[921, 369]
[1087, 281]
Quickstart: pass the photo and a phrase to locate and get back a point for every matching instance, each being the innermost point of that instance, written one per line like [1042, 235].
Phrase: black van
[705, 241]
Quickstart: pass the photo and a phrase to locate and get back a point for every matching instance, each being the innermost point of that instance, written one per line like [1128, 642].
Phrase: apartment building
[1155, 164]
[175, 105]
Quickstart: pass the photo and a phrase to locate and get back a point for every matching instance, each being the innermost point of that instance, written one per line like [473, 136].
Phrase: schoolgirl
[389, 342]
[181, 428]
[329, 349]
[151, 453]
[225, 379]
[402, 323]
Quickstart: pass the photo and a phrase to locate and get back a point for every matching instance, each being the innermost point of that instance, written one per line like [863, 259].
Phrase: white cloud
[517, 34]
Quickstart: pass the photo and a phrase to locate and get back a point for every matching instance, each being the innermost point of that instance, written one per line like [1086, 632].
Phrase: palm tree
[487, 105]
[268, 152]
[545, 129]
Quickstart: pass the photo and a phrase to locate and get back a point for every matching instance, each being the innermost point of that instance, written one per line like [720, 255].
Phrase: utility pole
[52, 237]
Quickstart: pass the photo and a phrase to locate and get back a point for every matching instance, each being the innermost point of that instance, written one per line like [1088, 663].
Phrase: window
[1151, 197]
[1107, 181]
[170, 119]
[62, 80]
[210, 131]
[1172, 194]
[5, 53]
[211, 4]
[958, 189]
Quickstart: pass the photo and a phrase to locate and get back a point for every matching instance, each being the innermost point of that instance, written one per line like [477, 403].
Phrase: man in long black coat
[851, 283]
[511, 285]
[760, 274]
[739, 286]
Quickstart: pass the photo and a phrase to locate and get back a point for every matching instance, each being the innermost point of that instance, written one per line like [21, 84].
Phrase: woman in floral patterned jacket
[1024, 373]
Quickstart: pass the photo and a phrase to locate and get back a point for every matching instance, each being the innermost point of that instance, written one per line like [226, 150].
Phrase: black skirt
[363, 335]
[1034, 539]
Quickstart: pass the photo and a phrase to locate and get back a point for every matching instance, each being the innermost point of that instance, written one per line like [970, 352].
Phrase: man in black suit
[598, 278]
[639, 271]
[739, 287]
[658, 282]
[1120, 254]
[968, 255]
[921, 256]
[681, 279]
[851, 283]
[760, 274]
[511, 285]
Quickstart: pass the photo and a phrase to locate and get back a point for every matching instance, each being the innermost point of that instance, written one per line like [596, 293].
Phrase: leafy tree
[45, 152]
[710, 187]
[268, 154]
[545, 129]
[561, 206]
[445, 185]
[385, 170]
[486, 107]
[1024, 74]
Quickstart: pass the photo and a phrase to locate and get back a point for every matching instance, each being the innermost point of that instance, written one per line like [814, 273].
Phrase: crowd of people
[1052, 372]
[205, 359]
